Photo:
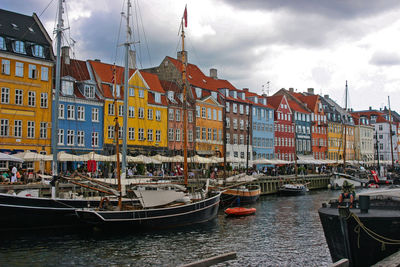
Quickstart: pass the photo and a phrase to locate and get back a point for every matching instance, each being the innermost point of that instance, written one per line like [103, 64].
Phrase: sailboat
[153, 211]
[22, 211]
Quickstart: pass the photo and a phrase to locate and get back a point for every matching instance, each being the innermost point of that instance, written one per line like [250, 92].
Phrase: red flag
[185, 16]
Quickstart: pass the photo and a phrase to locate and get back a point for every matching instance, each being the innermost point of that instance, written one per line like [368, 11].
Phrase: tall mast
[54, 135]
[126, 82]
[185, 167]
[248, 141]
[116, 136]
[345, 130]
[390, 132]
[295, 146]
[224, 132]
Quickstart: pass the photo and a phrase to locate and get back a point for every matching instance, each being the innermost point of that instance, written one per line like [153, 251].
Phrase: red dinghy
[240, 211]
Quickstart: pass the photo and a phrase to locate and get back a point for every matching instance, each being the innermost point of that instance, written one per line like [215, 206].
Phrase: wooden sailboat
[154, 212]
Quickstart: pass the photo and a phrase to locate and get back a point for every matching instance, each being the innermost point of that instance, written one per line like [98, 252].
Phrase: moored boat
[367, 234]
[292, 189]
[243, 194]
[240, 211]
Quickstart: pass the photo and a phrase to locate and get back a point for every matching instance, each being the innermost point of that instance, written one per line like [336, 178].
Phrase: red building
[284, 128]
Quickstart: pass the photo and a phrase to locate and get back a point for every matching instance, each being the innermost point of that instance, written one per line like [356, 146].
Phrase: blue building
[80, 110]
[262, 121]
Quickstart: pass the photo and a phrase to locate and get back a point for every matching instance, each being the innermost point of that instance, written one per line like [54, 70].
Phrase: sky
[263, 45]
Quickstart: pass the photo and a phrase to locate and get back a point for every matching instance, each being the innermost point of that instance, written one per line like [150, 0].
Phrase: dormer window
[38, 51]
[2, 43]
[214, 95]
[67, 87]
[243, 96]
[89, 91]
[198, 92]
[256, 100]
[180, 97]
[157, 97]
[19, 47]
[171, 95]
[234, 94]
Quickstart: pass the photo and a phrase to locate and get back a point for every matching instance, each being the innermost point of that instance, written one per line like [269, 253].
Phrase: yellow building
[26, 59]
[209, 127]
[147, 110]
[334, 140]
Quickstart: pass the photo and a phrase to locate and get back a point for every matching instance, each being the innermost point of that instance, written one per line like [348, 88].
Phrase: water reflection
[285, 231]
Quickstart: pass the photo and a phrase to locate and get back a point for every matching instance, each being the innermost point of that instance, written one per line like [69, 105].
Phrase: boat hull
[239, 211]
[346, 239]
[240, 196]
[292, 192]
[19, 212]
[152, 219]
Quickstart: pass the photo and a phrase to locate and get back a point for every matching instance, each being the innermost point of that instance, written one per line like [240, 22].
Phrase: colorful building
[27, 61]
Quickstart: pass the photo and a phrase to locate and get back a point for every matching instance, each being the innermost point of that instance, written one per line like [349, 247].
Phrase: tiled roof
[151, 100]
[379, 115]
[76, 69]
[294, 106]
[275, 100]
[152, 81]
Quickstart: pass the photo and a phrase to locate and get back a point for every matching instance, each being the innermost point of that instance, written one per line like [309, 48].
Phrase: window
[209, 134]
[19, 47]
[178, 115]
[38, 51]
[198, 92]
[5, 95]
[17, 128]
[2, 43]
[178, 135]
[89, 91]
[171, 114]
[247, 110]
[44, 74]
[70, 112]
[18, 97]
[141, 113]
[19, 69]
[157, 97]
[131, 91]
[149, 114]
[241, 139]
[380, 128]
[70, 137]
[227, 106]
[110, 132]
[131, 112]
[158, 115]
[235, 139]
[81, 113]
[170, 134]
[219, 115]
[31, 99]
[111, 109]
[31, 129]
[214, 114]
[203, 112]
[131, 133]
[241, 109]
[190, 135]
[4, 127]
[235, 124]
[141, 93]
[241, 123]
[228, 123]
[60, 136]
[190, 116]
[5, 66]
[43, 130]
[120, 132]
[43, 100]
[158, 136]
[95, 114]
[141, 134]
[61, 111]
[67, 87]
[234, 108]
[215, 134]
[203, 133]
[150, 135]
[197, 132]
[120, 110]
[32, 71]
[228, 138]
[198, 111]
[220, 135]
[95, 139]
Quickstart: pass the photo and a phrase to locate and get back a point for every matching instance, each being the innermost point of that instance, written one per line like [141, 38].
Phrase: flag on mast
[185, 16]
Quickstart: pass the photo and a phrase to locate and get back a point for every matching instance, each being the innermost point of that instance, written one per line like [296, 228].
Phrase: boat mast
[126, 82]
[390, 132]
[345, 130]
[116, 133]
[295, 146]
[248, 140]
[224, 133]
[185, 167]
[54, 134]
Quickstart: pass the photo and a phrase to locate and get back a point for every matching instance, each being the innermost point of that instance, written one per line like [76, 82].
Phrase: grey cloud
[381, 58]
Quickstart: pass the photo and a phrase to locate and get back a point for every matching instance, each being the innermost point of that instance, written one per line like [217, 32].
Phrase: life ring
[104, 199]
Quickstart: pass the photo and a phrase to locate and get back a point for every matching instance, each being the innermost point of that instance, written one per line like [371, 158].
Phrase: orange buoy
[240, 211]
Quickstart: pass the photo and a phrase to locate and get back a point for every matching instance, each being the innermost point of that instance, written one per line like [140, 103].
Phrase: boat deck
[371, 212]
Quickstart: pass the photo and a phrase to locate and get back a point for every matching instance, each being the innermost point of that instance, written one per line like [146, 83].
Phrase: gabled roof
[105, 72]
[275, 100]
[380, 116]
[151, 100]
[296, 107]
[153, 82]
[249, 95]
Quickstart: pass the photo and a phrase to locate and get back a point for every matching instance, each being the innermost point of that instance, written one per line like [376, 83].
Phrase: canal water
[285, 231]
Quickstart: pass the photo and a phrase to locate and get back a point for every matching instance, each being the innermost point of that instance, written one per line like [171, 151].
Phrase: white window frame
[60, 136]
[19, 69]
[150, 114]
[131, 133]
[44, 100]
[95, 139]
[70, 137]
[95, 114]
[4, 127]
[19, 97]
[150, 135]
[158, 115]
[44, 73]
[18, 128]
[80, 138]
[31, 99]
[70, 112]
[30, 133]
[43, 130]
[5, 66]
[61, 111]
[5, 95]
[32, 74]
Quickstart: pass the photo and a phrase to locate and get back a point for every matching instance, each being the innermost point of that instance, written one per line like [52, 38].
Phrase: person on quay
[348, 191]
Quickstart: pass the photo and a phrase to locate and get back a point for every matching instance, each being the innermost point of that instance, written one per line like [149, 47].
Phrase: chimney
[65, 54]
[291, 90]
[245, 89]
[97, 60]
[132, 59]
[179, 56]
[326, 96]
[213, 73]
[370, 108]
[310, 91]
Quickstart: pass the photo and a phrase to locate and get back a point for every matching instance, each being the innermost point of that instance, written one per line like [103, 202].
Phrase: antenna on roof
[263, 89]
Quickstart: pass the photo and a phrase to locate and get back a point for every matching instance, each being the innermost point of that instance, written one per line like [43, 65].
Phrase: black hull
[345, 241]
[153, 219]
[39, 213]
[287, 192]
[229, 200]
